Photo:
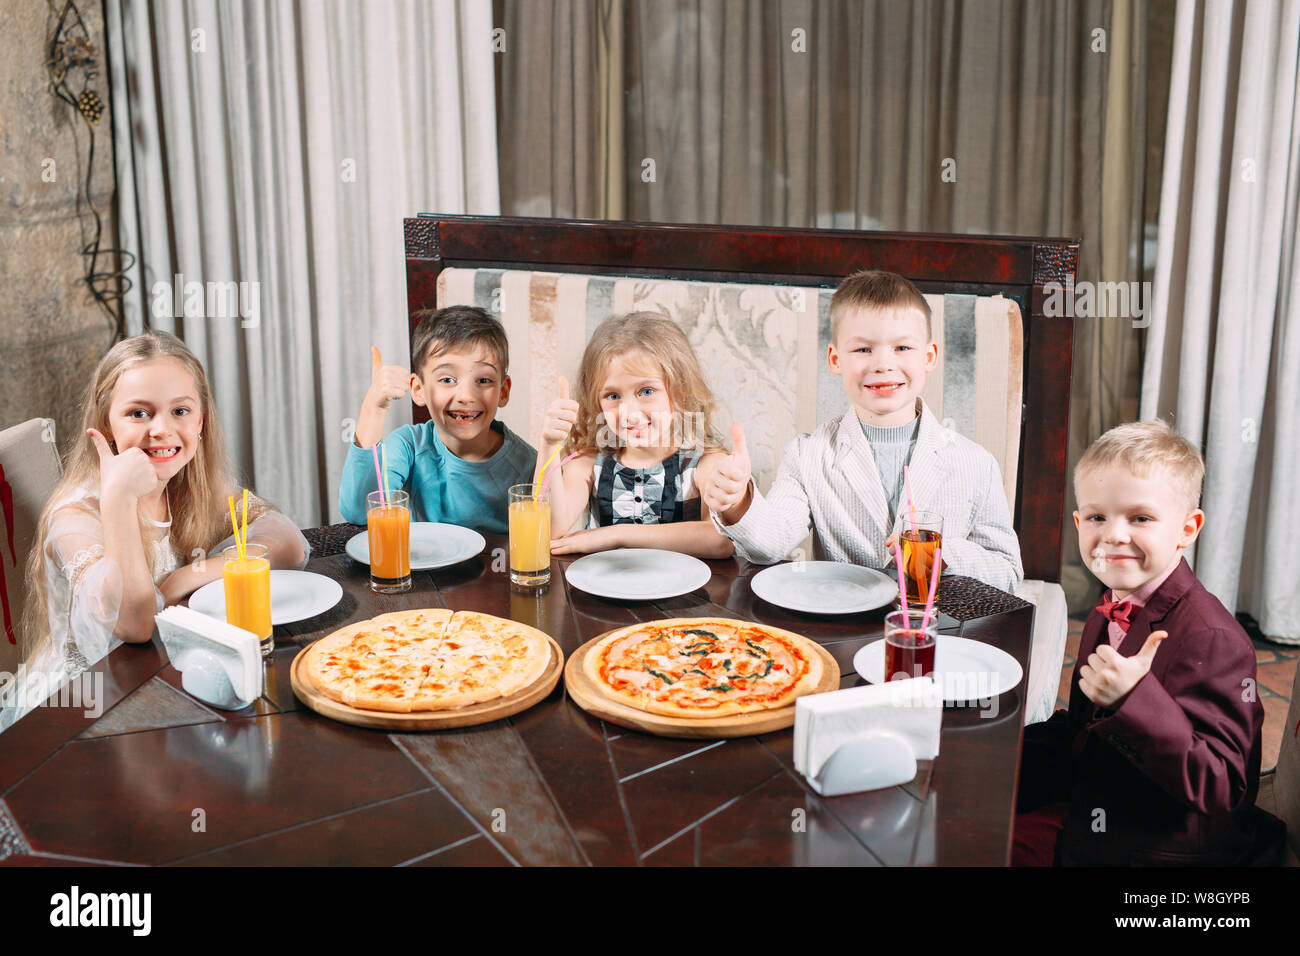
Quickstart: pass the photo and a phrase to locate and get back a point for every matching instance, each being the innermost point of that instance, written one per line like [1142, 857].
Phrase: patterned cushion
[29, 469]
[755, 341]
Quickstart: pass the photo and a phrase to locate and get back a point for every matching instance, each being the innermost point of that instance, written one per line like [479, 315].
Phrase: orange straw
[907, 480]
[934, 584]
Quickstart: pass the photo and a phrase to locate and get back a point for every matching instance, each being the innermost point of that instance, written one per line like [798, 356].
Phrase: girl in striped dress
[641, 427]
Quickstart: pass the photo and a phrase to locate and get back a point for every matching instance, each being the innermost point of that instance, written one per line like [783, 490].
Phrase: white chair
[29, 469]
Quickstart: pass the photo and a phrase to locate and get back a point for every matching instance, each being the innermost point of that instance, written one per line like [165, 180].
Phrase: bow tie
[1121, 612]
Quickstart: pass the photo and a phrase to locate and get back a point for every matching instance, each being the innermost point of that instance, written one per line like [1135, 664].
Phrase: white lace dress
[85, 591]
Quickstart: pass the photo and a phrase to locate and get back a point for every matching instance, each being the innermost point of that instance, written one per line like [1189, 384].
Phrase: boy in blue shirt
[458, 465]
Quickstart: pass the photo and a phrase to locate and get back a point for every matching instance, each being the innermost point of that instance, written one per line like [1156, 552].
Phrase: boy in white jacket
[846, 478]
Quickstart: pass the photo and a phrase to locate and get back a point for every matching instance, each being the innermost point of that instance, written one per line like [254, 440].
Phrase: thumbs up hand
[1108, 675]
[388, 383]
[561, 416]
[728, 486]
[129, 475]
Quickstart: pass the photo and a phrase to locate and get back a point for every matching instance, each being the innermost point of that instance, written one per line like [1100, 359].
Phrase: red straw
[902, 588]
[934, 584]
[383, 498]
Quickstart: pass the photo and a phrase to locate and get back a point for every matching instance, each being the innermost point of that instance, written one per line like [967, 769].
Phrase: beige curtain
[280, 145]
[1223, 359]
[984, 116]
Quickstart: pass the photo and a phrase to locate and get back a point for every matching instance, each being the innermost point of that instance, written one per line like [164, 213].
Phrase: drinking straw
[547, 464]
[379, 478]
[907, 480]
[547, 480]
[383, 451]
[902, 588]
[934, 584]
[243, 537]
[234, 524]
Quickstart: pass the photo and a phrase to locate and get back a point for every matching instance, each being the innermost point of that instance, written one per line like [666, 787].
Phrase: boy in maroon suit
[1157, 760]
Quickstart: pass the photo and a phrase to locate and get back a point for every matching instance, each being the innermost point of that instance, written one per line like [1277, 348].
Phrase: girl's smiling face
[155, 407]
[634, 400]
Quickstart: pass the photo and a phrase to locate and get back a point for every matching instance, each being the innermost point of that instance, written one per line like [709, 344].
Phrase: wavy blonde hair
[664, 345]
[197, 493]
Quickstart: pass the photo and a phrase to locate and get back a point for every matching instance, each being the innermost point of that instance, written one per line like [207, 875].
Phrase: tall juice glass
[921, 536]
[388, 522]
[530, 538]
[248, 592]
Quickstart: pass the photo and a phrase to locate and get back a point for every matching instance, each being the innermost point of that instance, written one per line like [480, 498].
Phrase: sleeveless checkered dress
[657, 495]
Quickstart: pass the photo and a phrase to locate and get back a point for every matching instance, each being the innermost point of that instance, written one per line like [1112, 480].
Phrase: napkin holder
[900, 723]
[219, 663]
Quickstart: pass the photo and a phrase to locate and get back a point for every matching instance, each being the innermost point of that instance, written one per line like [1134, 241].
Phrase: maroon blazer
[1174, 769]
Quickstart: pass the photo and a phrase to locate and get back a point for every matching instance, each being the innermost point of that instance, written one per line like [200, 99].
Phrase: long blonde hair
[665, 345]
[196, 494]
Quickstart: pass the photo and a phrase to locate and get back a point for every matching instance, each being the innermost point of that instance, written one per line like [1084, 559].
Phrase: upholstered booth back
[764, 357]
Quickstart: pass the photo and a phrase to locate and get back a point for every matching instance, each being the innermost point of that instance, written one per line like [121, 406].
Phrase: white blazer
[829, 479]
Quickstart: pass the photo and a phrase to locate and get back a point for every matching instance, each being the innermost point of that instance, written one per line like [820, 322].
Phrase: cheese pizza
[427, 660]
[703, 667]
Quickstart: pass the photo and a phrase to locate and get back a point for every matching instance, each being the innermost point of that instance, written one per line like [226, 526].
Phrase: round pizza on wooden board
[704, 668]
[426, 660]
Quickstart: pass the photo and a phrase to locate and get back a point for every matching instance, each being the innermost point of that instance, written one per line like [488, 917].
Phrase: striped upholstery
[753, 341]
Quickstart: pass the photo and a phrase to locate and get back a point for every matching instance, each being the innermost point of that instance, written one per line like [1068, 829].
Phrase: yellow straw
[234, 524]
[243, 538]
[541, 473]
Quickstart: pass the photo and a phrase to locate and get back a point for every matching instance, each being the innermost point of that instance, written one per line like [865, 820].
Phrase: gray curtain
[1224, 355]
[280, 145]
[983, 116]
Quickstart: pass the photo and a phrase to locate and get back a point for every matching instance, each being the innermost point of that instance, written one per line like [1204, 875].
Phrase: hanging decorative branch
[73, 63]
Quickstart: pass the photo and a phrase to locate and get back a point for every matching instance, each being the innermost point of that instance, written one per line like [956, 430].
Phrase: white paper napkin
[912, 709]
[194, 640]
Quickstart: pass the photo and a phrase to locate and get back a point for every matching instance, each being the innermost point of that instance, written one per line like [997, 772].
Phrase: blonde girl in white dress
[142, 499]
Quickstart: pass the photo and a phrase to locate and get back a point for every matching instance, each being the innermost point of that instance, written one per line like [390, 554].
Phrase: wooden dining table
[161, 778]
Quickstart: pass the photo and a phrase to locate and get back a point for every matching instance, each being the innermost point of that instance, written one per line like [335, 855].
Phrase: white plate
[966, 670]
[824, 587]
[433, 545]
[638, 574]
[295, 596]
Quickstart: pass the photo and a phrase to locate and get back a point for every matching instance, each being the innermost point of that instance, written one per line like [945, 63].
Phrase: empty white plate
[638, 574]
[295, 596]
[433, 545]
[966, 670]
[824, 587]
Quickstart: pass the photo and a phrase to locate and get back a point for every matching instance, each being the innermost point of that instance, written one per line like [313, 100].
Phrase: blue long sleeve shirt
[442, 487]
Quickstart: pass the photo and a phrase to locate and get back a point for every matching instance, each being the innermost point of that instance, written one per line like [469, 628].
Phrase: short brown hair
[876, 289]
[1143, 446]
[456, 326]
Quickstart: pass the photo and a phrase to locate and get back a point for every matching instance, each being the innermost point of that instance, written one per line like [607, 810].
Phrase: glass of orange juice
[530, 538]
[248, 592]
[388, 521]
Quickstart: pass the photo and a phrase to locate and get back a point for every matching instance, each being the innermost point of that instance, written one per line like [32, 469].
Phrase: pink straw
[546, 482]
[902, 588]
[934, 584]
[383, 498]
[907, 480]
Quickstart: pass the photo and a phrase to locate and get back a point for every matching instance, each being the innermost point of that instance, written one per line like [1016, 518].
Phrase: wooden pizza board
[593, 699]
[483, 713]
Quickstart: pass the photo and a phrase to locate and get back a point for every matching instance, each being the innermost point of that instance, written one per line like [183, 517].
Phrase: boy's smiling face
[1131, 529]
[463, 388]
[883, 357]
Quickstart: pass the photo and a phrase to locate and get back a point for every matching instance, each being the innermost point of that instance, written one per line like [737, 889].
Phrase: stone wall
[51, 331]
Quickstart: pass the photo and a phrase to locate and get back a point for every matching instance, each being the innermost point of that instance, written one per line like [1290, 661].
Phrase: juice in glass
[248, 592]
[530, 538]
[922, 535]
[909, 649]
[388, 523]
